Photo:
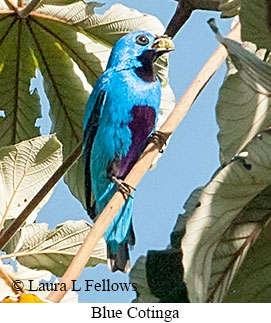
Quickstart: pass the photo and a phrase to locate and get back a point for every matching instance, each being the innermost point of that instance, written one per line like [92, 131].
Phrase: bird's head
[139, 50]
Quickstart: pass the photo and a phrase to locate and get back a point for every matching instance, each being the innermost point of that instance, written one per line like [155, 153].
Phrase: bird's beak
[163, 44]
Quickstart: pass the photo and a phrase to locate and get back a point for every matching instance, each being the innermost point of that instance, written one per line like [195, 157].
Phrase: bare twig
[25, 11]
[141, 167]
[17, 223]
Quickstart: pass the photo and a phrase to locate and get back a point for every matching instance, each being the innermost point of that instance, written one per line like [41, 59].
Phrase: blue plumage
[120, 115]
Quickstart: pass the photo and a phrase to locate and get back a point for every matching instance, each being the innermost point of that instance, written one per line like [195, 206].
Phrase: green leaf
[252, 282]
[67, 92]
[74, 12]
[205, 4]
[256, 23]
[24, 169]
[139, 278]
[158, 277]
[118, 21]
[179, 229]
[229, 8]
[70, 63]
[53, 250]
[225, 225]
[244, 100]
[21, 108]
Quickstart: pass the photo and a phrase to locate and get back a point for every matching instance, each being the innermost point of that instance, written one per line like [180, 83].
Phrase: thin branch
[5, 235]
[25, 11]
[141, 167]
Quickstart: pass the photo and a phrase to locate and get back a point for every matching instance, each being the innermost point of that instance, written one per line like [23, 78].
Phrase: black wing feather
[89, 135]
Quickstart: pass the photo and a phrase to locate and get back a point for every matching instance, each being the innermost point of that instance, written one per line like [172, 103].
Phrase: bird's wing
[93, 115]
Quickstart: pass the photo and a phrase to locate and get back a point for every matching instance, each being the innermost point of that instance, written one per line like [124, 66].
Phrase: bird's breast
[140, 126]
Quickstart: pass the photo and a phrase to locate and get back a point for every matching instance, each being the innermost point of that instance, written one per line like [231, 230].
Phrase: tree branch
[185, 9]
[205, 4]
[141, 167]
[7, 234]
[11, 4]
[182, 14]
[25, 11]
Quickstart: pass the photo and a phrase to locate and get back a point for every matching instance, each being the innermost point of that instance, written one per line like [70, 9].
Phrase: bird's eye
[142, 40]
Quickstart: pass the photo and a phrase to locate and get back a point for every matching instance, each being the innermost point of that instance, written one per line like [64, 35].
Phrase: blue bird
[120, 116]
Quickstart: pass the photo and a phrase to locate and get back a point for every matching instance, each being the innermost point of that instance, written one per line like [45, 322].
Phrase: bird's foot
[123, 187]
[159, 139]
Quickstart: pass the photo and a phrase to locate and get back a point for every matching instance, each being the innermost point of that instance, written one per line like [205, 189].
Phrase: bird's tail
[119, 236]
[120, 260]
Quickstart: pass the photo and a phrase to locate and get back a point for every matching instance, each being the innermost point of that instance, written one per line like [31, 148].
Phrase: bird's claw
[159, 139]
[124, 188]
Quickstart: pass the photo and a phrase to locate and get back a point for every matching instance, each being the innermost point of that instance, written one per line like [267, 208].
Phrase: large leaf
[65, 90]
[256, 23]
[229, 8]
[72, 13]
[205, 4]
[53, 250]
[252, 282]
[229, 218]
[24, 169]
[70, 45]
[243, 108]
[139, 278]
[179, 229]
[118, 21]
[158, 277]
[20, 107]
